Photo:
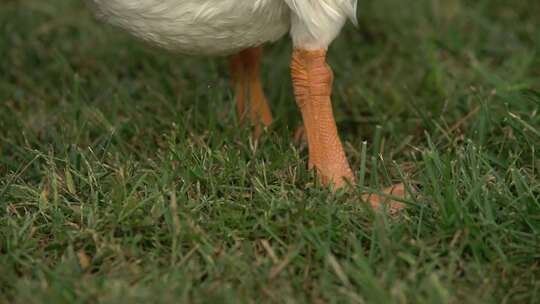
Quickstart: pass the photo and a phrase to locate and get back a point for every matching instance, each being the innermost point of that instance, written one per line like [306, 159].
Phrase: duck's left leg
[250, 98]
[312, 81]
[313, 28]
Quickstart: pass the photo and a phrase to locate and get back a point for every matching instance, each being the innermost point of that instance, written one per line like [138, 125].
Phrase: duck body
[222, 27]
[201, 27]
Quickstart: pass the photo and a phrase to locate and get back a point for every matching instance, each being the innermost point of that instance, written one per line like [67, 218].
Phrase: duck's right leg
[250, 97]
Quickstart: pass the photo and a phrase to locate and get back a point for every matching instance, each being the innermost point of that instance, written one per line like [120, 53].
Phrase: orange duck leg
[312, 81]
[250, 98]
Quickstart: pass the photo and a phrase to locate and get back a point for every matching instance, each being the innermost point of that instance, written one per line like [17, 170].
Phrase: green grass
[124, 175]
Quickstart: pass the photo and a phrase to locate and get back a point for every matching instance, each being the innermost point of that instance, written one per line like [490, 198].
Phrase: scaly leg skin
[250, 97]
[312, 81]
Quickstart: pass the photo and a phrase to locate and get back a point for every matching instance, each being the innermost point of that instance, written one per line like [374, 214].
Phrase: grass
[124, 176]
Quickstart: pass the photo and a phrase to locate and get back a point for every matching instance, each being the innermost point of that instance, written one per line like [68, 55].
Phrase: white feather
[311, 10]
[218, 27]
[316, 23]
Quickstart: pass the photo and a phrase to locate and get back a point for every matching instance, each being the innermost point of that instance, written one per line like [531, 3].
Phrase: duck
[238, 29]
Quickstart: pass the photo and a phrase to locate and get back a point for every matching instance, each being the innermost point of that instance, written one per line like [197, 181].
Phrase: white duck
[239, 28]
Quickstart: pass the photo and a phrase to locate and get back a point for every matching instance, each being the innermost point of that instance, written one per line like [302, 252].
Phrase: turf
[125, 177]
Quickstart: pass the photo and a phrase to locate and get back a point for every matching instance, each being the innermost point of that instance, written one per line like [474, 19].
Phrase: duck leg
[312, 81]
[250, 98]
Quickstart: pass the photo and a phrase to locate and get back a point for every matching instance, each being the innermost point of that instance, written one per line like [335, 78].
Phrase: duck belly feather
[205, 27]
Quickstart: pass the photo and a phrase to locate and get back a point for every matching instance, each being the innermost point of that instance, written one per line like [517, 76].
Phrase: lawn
[125, 177]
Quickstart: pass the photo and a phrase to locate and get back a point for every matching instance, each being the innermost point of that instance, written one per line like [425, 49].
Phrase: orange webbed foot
[386, 200]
